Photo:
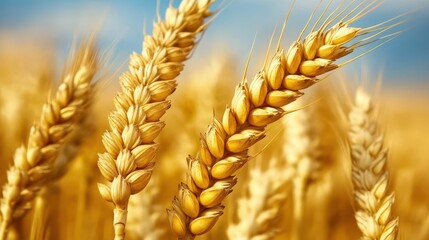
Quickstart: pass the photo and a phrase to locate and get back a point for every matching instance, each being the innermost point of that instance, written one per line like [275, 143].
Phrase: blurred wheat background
[36, 37]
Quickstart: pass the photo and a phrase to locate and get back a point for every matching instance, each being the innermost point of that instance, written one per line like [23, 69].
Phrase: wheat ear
[84, 128]
[130, 149]
[369, 173]
[259, 211]
[224, 147]
[301, 154]
[33, 163]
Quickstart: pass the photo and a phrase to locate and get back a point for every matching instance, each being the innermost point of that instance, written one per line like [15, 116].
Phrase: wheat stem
[39, 222]
[3, 231]
[298, 207]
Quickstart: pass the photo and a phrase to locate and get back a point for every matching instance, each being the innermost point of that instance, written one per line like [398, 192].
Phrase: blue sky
[403, 60]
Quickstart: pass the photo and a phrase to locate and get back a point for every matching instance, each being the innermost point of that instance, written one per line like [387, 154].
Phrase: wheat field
[181, 142]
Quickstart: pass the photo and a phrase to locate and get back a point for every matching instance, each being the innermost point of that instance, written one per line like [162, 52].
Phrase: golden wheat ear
[370, 175]
[130, 153]
[33, 162]
[224, 147]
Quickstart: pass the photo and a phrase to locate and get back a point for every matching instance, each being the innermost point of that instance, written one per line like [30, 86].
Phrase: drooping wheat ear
[301, 154]
[369, 173]
[145, 215]
[128, 161]
[259, 211]
[224, 147]
[33, 163]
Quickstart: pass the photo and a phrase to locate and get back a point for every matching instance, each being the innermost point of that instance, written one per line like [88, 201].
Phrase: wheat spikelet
[130, 149]
[301, 154]
[259, 211]
[369, 172]
[224, 147]
[33, 163]
[316, 221]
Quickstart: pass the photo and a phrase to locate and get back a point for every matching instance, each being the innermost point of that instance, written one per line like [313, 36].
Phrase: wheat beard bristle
[33, 163]
[370, 176]
[128, 161]
[223, 148]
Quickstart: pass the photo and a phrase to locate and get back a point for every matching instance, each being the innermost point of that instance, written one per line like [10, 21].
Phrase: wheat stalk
[224, 147]
[33, 163]
[369, 172]
[259, 211]
[39, 222]
[301, 154]
[128, 161]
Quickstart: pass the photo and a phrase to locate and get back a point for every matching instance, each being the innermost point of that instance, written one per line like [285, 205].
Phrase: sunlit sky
[403, 60]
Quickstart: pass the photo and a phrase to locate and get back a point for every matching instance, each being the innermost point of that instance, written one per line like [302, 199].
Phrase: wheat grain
[33, 163]
[130, 149]
[224, 147]
[259, 212]
[369, 172]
